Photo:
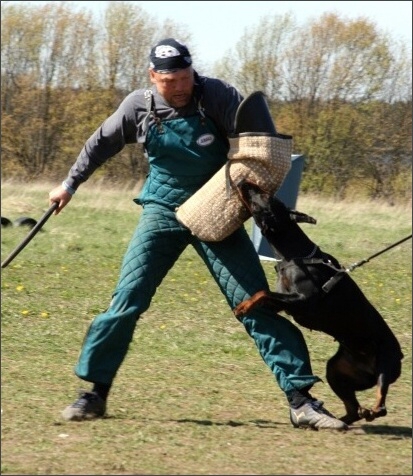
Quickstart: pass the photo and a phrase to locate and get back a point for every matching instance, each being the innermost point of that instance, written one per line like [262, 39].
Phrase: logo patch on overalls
[205, 139]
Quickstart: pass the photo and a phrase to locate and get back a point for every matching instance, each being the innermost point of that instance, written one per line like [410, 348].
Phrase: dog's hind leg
[390, 370]
[338, 374]
[379, 409]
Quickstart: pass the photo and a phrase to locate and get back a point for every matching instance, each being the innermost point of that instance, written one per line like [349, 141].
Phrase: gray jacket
[219, 100]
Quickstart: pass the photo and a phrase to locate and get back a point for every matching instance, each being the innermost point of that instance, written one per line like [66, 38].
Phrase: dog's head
[267, 210]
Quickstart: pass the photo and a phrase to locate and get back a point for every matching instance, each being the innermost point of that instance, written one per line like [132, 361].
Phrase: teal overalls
[182, 158]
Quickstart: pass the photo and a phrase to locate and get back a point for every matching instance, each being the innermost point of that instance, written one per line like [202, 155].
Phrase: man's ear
[152, 76]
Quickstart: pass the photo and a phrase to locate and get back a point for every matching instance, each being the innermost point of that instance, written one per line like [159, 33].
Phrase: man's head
[171, 71]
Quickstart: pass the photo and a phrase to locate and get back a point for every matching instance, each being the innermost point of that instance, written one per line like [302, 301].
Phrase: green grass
[193, 395]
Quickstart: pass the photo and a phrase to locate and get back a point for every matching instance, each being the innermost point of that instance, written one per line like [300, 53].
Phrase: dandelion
[25, 312]
[19, 288]
[44, 314]
[162, 326]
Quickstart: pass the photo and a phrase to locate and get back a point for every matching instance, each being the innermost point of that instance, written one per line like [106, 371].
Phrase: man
[180, 107]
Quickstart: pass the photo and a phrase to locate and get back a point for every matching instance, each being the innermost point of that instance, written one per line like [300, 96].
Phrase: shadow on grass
[380, 430]
[258, 423]
[229, 423]
[395, 431]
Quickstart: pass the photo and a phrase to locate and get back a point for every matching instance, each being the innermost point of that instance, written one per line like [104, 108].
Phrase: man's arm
[109, 139]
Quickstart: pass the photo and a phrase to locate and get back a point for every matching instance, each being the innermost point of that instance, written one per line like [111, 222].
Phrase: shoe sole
[314, 428]
[68, 416]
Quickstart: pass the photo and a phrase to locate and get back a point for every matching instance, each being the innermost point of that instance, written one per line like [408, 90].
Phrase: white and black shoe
[313, 415]
[87, 407]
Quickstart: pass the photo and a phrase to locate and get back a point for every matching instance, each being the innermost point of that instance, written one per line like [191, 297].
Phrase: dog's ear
[300, 217]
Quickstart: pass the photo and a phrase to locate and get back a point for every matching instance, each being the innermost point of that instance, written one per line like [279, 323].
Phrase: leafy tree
[41, 52]
[62, 75]
[341, 87]
[333, 84]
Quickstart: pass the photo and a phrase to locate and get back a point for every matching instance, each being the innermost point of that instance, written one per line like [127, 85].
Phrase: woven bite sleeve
[215, 210]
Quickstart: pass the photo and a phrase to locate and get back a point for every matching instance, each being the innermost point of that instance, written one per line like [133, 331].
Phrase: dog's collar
[312, 253]
[299, 258]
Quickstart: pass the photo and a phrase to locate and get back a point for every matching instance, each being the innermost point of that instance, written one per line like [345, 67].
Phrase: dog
[320, 295]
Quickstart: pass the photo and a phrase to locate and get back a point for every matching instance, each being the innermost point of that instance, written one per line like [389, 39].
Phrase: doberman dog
[320, 295]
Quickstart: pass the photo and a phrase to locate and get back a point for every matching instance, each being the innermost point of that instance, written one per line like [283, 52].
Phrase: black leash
[366, 260]
[340, 273]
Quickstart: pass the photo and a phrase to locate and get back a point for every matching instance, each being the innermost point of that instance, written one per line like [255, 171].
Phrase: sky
[216, 26]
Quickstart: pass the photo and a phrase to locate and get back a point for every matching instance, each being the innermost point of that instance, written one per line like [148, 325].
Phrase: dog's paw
[378, 412]
[241, 309]
[364, 413]
[349, 419]
[373, 413]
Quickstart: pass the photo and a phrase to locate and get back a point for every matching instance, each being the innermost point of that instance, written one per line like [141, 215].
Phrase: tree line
[340, 87]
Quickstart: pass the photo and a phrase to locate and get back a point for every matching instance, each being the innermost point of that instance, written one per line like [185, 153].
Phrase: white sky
[216, 26]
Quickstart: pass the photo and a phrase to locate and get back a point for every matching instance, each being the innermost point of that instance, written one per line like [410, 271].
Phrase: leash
[330, 283]
[327, 286]
[366, 260]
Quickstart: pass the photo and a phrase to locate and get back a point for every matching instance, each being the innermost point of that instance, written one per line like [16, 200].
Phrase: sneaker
[87, 407]
[313, 415]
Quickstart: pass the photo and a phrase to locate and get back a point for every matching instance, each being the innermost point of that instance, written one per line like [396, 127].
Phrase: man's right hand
[61, 196]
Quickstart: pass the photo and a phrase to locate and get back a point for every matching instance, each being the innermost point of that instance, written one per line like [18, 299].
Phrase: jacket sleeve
[109, 139]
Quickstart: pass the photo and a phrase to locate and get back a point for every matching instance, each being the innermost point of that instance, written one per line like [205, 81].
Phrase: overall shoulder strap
[150, 114]
[198, 96]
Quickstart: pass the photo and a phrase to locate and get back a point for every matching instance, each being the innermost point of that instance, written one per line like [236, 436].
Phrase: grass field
[193, 395]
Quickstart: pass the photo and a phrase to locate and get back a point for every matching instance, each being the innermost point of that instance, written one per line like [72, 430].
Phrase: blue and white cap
[169, 55]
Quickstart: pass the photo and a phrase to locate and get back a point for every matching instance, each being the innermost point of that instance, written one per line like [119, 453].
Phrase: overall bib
[183, 154]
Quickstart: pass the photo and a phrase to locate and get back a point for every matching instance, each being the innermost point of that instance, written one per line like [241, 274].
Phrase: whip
[29, 237]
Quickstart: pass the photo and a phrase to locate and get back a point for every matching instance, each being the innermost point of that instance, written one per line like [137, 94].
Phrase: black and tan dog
[319, 294]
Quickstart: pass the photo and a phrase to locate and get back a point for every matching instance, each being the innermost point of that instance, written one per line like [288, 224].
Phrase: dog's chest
[295, 276]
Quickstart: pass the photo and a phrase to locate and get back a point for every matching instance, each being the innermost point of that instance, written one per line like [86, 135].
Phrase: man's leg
[156, 244]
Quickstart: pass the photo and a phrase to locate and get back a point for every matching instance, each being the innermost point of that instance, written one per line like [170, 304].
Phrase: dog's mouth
[252, 195]
[265, 208]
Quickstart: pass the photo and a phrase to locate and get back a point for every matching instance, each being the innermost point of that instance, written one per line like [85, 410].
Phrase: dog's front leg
[246, 306]
[276, 301]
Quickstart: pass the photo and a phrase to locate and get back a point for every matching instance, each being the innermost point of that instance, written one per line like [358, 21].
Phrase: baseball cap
[169, 55]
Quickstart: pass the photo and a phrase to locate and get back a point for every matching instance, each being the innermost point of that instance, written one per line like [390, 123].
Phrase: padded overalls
[182, 157]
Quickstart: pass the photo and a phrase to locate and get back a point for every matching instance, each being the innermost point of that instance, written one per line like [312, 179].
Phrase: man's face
[175, 87]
